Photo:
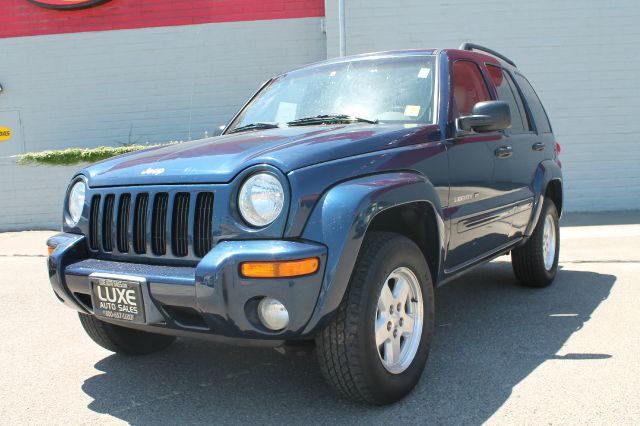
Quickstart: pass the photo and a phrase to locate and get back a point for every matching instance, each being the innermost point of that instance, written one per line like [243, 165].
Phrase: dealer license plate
[117, 299]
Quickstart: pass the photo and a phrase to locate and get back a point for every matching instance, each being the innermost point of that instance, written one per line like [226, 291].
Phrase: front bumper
[210, 299]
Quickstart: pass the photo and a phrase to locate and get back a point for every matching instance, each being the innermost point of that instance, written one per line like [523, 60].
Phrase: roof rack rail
[473, 46]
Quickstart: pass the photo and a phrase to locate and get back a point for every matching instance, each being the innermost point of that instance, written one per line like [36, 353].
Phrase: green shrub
[71, 156]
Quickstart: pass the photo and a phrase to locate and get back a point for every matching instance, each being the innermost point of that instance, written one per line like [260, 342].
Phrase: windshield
[398, 90]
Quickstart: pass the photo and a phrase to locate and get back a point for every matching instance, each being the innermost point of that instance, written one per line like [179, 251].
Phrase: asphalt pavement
[502, 354]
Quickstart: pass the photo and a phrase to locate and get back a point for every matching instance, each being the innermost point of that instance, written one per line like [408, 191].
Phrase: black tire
[347, 352]
[121, 339]
[528, 260]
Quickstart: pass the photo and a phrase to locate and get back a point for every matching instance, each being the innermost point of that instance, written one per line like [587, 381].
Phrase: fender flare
[340, 220]
[68, 248]
[547, 171]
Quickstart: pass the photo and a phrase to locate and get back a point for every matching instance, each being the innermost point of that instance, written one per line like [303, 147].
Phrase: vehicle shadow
[490, 335]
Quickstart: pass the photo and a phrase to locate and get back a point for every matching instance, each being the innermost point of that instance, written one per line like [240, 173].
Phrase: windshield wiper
[255, 126]
[329, 119]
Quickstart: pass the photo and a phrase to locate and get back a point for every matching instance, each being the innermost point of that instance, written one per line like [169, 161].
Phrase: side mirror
[219, 130]
[487, 116]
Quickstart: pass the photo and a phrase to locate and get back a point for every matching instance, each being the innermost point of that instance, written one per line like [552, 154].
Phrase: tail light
[558, 150]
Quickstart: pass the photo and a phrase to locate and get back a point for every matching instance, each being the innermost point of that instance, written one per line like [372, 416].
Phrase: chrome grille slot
[107, 221]
[203, 235]
[140, 224]
[159, 224]
[180, 225]
[93, 222]
[124, 207]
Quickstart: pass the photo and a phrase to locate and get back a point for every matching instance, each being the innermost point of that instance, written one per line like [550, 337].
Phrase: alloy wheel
[398, 320]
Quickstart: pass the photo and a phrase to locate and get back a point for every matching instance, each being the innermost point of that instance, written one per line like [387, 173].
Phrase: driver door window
[469, 87]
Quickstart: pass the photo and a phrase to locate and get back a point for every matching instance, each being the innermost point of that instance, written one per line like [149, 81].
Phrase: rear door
[522, 140]
[480, 178]
[536, 146]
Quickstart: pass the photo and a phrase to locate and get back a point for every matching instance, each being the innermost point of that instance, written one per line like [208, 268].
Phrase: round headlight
[76, 202]
[261, 199]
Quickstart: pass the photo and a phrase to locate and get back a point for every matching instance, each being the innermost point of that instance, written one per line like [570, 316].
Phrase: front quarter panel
[341, 218]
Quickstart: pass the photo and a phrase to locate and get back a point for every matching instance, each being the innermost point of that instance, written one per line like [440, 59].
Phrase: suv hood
[219, 159]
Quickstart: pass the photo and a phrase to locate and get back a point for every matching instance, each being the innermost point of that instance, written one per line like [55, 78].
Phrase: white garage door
[580, 55]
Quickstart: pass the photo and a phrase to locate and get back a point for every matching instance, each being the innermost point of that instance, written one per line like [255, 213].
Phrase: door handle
[504, 152]
[538, 146]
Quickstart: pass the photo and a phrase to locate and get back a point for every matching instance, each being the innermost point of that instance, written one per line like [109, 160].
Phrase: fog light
[273, 314]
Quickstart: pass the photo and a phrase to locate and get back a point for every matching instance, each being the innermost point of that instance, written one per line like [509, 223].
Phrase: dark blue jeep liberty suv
[328, 209]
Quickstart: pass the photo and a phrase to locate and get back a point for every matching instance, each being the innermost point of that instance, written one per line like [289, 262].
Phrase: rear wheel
[121, 339]
[535, 263]
[376, 347]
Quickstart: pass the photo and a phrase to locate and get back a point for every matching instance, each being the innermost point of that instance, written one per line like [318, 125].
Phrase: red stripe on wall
[20, 18]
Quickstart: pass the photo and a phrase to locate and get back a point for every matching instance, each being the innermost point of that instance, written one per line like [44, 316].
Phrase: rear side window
[504, 88]
[539, 115]
[469, 87]
[518, 96]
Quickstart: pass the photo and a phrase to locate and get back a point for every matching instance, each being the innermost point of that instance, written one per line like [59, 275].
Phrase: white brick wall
[578, 54]
[145, 85]
[31, 197]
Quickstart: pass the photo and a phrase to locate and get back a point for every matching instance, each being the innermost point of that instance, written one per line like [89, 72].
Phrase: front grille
[148, 224]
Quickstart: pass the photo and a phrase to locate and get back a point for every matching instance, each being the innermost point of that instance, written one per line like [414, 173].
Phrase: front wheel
[535, 264]
[376, 347]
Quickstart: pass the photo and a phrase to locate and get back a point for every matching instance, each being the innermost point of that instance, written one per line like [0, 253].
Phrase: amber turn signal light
[279, 269]
[50, 249]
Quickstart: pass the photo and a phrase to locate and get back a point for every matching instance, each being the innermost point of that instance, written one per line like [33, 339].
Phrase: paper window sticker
[412, 110]
[332, 74]
[410, 125]
[424, 72]
[286, 112]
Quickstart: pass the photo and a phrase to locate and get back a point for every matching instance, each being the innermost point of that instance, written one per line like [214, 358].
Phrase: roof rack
[473, 46]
